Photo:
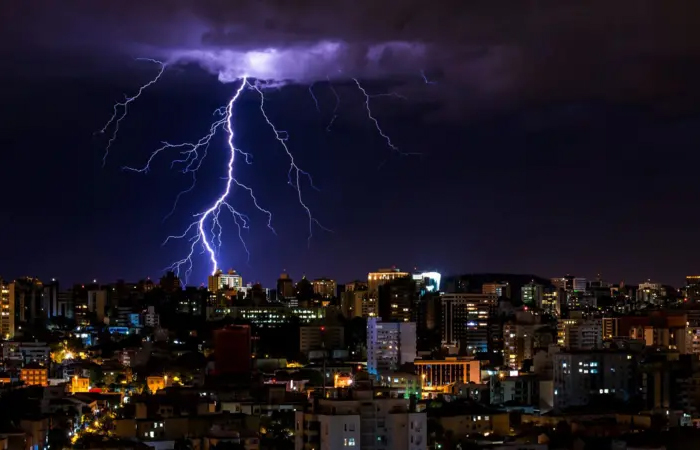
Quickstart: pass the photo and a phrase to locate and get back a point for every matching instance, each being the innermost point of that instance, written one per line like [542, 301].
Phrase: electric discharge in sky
[204, 233]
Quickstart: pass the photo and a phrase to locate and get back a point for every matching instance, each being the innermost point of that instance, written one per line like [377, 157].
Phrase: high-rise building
[389, 345]
[97, 304]
[465, 321]
[551, 301]
[232, 353]
[531, 294]
[285, 287]
[325, 287]
[378, 278]
[50, 299]
[580, 334]
[230, 281]
[356, 303]
[7, 310]
[397, 299]
[28, 299]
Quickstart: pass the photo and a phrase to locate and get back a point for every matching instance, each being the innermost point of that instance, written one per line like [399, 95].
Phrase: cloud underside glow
[308, 63]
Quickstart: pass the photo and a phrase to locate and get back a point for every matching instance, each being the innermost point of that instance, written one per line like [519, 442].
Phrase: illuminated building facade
[438, 375]
[357, 303]
[7, 310]
[34, 375]
[531, 294]
[427, 281]
[325, 287]
[465, 320]
[274, 315]
[285, 287]
[389, 345]
[225, 281]
[551, 302]
[397, 300]
[382, 276]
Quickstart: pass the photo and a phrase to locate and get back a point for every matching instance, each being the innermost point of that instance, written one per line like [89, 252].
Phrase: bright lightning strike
[200, 235]
[294, 171]
[124, 106]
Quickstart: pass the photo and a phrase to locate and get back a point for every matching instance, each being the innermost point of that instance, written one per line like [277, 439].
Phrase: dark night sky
[555, 141]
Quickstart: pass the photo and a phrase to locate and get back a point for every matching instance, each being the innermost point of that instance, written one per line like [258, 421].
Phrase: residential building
[531, 294]
[579, 375]
[497, 289]
[357, 303]
[285, 287]
[26, 352]
[230, 281]
[397, 299]
[325, 287]
[315, 337]
[7, 310]
[439, 375]
[370, 419]
[465, 320]
[34, 375]
[580, 334]
[378, 278]
[389, 345]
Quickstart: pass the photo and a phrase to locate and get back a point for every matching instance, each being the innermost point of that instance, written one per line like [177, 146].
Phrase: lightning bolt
[337, 104]
[376, 122]
[117, 117]
[196, 232]
[313, 96]
[295, 173]
[425, 78]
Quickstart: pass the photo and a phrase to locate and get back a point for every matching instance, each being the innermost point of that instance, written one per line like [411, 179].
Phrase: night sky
[553, 139]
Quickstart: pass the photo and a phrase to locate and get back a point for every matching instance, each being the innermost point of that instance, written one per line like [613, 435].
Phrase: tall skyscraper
[29, 294]
[285, 287]
[531, 294]
[465, 321]
[389, 345]
[7, 310]
[378, 278]
[397, 299]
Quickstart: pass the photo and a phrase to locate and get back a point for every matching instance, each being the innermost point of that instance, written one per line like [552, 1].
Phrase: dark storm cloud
[492, 50]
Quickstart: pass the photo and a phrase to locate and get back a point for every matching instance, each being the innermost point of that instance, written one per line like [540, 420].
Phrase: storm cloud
[626, 50]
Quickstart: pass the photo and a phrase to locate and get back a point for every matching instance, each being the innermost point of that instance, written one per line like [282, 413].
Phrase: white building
[361, 420]
[27, 352]
[389, 344]
[580, 374]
